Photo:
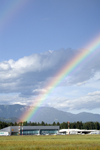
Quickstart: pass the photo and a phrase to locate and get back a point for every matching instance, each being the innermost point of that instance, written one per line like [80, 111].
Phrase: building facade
[30, 130]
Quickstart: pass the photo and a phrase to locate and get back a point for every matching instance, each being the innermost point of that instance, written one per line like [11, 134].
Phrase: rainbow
[65, 71]
[8, 13]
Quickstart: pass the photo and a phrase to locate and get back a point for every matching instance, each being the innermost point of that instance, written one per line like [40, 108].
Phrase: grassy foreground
[52, 142]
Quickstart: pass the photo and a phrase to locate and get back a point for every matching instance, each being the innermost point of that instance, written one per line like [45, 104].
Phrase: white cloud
[94, 93]
[89, 102]
[28, 72]
[4, 66]
[28, 76]
[81, 83]
[39, 91]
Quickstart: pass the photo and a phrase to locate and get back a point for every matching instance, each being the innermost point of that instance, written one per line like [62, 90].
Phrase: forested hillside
[64, 125]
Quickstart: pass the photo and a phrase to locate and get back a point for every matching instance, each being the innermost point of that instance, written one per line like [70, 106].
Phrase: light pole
[68, 127]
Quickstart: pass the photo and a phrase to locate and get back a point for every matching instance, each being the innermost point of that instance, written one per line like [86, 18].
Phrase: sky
[38, 38]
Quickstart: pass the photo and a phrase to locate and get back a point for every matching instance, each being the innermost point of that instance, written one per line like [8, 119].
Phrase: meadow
[52, 142]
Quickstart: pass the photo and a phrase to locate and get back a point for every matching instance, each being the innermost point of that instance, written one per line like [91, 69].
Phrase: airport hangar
[78, 131]
[29, 130]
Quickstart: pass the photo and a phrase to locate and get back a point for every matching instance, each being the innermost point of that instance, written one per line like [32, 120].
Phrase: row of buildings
[42, 130]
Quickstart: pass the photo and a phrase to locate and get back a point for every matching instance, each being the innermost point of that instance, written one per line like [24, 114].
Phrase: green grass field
[59, 142]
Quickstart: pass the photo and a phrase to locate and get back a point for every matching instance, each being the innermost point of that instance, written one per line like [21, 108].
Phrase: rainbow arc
[60, 76]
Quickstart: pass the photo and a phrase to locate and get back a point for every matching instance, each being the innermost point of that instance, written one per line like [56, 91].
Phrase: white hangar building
[78, 131]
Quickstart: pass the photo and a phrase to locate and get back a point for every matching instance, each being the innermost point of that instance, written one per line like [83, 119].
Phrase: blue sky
[37, 38]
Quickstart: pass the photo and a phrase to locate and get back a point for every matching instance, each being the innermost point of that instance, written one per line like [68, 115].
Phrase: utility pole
[22, 128]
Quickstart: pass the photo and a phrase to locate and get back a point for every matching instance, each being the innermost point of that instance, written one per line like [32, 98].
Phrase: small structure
[30, 130]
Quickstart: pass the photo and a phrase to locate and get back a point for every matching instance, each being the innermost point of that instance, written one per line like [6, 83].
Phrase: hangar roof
[16, 128]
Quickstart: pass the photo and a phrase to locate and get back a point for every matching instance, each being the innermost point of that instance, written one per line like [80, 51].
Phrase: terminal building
[29, 130]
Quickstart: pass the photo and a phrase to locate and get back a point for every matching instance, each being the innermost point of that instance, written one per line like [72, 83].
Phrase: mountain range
[11, 113]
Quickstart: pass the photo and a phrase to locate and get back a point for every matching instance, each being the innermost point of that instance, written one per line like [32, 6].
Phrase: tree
[58, 124]
[64, 125]
[54, 124]
[79, 125]
[42, 123]
[97, 126]
[25, 123]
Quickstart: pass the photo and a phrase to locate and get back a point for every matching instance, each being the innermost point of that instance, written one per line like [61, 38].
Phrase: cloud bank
[24, 79]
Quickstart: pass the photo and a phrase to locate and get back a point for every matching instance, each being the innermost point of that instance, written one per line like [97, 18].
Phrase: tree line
[64, 125]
